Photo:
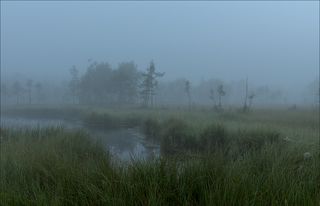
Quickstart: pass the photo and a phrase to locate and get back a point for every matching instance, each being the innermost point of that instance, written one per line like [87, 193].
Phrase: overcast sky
[270, 42]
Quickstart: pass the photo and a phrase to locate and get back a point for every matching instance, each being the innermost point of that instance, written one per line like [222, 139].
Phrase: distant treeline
[99, 85]
[124, 85]
[103, 85]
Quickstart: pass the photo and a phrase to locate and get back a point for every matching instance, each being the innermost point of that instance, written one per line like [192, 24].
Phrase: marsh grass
[177, 136]
[48, 166]
[56, 167]
[226, 158]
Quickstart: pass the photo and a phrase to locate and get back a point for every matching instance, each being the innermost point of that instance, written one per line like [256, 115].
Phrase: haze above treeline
[273, 44]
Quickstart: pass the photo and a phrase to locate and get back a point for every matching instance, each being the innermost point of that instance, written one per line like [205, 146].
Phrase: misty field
[265, 157]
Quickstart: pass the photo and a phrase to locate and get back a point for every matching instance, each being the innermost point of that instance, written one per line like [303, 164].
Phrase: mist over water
[125, 144]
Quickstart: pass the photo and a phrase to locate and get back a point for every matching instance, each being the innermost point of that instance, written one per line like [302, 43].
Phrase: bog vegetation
[207, 158]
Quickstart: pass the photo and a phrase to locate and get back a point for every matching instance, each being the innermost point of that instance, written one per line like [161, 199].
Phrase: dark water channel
[124, 144]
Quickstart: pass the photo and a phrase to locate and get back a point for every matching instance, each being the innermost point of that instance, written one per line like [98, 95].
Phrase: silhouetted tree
[74, 83]
[148, 85]
[213, 98]
[250, 97]
[103, 85]
[17, 90]
[221, 93]
[39, 91]
[97, 85]
[313, 89]
[245, 105]
[319, 97]
[125, 79]
[187, 90]
[29, 85]
[4, 92]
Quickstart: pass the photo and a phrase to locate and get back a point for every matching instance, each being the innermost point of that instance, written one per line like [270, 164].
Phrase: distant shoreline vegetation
[124, 85]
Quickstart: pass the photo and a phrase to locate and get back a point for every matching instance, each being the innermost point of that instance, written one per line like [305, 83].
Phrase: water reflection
[124, 144]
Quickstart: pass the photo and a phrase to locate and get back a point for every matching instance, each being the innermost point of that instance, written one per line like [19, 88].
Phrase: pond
[125, 144]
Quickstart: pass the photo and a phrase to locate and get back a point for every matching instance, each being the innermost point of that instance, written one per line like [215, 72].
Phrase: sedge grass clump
[248, 140]
[214, 136]
[51, 167]
[176, 136]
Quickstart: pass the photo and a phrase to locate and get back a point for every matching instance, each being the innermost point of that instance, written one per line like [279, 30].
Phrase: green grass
[56, 167]
[208, 158]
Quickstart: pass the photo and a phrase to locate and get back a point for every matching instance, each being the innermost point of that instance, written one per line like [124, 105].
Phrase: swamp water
[125, 144]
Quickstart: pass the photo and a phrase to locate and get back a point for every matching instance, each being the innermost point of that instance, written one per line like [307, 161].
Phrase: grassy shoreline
[301, 125]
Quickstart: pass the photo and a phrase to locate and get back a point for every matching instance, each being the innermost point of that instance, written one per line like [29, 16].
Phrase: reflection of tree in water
[126, 144]
[120, 139]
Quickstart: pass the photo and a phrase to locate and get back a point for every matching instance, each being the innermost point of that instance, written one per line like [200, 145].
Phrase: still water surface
[125, 144]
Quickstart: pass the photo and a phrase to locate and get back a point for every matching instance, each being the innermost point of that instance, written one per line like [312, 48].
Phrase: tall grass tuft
[214, 136]
[248, 140]
[50, 167]
[176, 136]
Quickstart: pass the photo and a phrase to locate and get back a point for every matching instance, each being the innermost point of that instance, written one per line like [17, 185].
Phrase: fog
[273, 44]
[160, 102]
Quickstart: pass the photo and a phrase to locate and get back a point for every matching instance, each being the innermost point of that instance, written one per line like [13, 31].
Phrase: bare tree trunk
[245, 106]
[151, 100]
[29, 93]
